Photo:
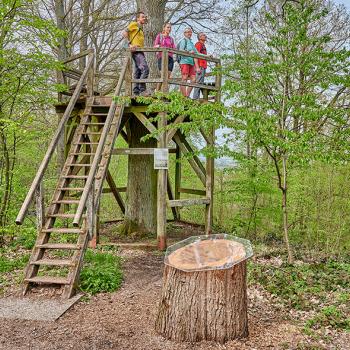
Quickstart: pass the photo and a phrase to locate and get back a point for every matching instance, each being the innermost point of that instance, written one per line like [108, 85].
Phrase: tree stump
[204, 294]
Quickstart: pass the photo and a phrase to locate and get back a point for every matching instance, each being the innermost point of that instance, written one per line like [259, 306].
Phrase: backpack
[179, 57]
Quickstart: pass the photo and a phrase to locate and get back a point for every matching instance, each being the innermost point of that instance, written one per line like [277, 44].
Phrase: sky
[345, 2]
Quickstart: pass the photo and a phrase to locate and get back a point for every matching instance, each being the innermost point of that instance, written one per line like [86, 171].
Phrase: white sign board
[161, 156]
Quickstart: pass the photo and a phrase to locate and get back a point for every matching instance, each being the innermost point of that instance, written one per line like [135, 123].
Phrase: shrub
[101, 273]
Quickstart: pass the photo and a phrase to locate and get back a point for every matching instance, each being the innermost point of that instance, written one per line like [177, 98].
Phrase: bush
[101, 273]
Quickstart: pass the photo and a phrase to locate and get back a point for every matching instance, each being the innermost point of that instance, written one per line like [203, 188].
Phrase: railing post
[218, 78]
[128, 75]
[39, 206]
[165, 71]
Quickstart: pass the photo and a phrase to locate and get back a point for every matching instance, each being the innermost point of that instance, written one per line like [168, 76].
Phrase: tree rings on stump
[204, 295]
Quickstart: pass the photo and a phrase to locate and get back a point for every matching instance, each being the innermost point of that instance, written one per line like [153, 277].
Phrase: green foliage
[9, 264]
[101, 272]
[26, 239]
[302, 286]
[329, 316]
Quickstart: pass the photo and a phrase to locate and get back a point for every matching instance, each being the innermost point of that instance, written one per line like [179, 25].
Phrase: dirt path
[124, 320]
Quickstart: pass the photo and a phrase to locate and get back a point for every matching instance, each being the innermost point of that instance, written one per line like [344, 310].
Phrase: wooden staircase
[59, 250]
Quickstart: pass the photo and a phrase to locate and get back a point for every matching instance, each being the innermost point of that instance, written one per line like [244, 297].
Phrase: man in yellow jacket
[134, 35]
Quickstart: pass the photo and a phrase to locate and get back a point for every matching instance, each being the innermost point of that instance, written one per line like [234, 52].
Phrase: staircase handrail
[51, 149]
[101, 144]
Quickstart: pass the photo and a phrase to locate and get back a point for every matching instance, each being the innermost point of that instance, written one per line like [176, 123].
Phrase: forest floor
[125, 319]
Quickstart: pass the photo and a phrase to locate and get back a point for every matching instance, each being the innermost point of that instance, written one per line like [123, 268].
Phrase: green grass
[101, 273]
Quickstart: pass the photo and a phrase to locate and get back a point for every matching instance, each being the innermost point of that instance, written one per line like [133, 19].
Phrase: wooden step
[64, 216]
[77, 164]
[75, 176]
[90, 133]
[64, 246]
[93, 123]
[63, 230]
[188, 202]
[48, 280]
[86, 143]
[53, 262]
[81, 153]
[98, 114]
[70, 188]
[66, 201]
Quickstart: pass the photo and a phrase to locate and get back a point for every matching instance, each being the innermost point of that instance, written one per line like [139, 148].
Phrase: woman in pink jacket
[165, 40]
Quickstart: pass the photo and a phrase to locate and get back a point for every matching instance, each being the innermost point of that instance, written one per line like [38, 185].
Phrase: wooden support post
[171, 197]
[162, 190]
[178, 177]
[39, 204]
[162, 173]
[209, 186]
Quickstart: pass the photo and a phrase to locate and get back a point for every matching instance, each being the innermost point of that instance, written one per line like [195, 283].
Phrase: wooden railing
[36, 188]
[164, 79]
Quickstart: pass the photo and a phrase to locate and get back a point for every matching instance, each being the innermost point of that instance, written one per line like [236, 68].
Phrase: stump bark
[203, 305]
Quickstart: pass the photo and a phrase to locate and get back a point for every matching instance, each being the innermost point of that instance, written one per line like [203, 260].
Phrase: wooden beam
[115, 191]
[180, 52]
[192, 191]
[148, 125]
[196, 85]
[206, 138]
[119, 189]
[78, 55]
[171, 197]
[190, 149]
[148, 81]
[188, 202]
[173, 131]
[137, 151]
[192, 162]
[132, 109]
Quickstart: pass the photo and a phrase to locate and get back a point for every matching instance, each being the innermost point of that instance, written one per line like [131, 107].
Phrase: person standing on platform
[189, 65]
[202, 63]
[165, 40]
[134, 35]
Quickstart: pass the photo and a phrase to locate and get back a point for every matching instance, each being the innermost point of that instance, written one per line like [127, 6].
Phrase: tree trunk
[155, 11]
[285, 211]
[141, 195]
[203, 305]
[84, 32]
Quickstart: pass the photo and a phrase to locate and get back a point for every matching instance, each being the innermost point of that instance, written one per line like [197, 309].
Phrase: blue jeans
[200, 80]
[141, 71]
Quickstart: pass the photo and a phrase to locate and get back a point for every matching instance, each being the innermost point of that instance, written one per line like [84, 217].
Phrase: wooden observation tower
[91, 121]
